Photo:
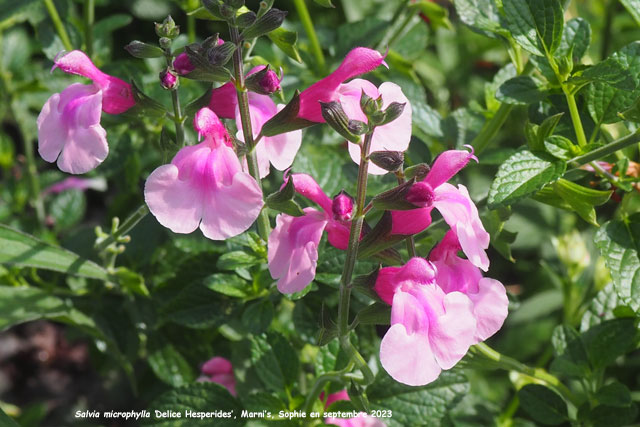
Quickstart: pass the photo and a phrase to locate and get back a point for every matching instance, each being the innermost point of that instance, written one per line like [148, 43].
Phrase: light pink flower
[204, 186]
[361, 420]
[279, 150]
[73, 183]
[117, 96]
[455, 274]
[219, 370]
[430, 330]
[69, 127]
[394, 136]
[454, 204]
[359, 61]
[293, 244]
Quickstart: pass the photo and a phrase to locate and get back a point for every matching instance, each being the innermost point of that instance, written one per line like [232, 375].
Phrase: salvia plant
[320, 231]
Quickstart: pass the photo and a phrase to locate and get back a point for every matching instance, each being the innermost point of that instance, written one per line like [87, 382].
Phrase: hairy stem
[307, 23]
[510, 364]
[264, 226]
[57, 23]
[178, 120]
[352, 253]
[128, 224]
[610, 148]
[89, 19]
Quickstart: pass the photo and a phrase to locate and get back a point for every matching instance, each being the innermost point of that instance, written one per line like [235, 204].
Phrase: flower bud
[342, 207]
[168, 28]
[264, 82]
[143, 50]
[168, 79]
[392, 112]
[182, 64]
[335, 117]
[165, 42]
[388, 160]
[420, 194]
[265, 24]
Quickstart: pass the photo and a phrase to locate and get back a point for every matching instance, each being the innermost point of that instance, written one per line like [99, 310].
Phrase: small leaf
[375, 314]
[286, 41]
[168, 364]
[543, 405]
[268, 22]
[536, 25]
[610, 71]
[228, 284]
[236, 259]
[481, 15]
[523, 174]
[275, 361]
[559, 147]
[286, 120]
[282, 200]
[68, 208]
[520, 90]
[324, 3]
[258, 316]
[139, 49]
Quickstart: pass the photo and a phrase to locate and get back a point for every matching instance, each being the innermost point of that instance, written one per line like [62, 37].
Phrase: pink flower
[430, 330]
[73, 183]
[168, 80]
[117, 96]
[455, 274]
[69, 127]
[394, 136]
[204, 186]
[293, 244]
[182, 64]
[219, 370]
[359, 61]
[279, 150]
[455, 205]
[360, 420]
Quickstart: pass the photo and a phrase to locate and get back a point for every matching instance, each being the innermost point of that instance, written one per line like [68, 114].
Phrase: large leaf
[413, 406]
[521, 90]
[604, 101]
[23, 250]
[543, 405]
[199, 398]
[576, 39]
[169, 364]
[633, 7]
[481, 15]
[275, 361]
[535, 24]
[618, 244]
[522, 174]
[196, 306]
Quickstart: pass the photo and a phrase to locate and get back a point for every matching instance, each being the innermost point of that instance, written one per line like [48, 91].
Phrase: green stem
[609, 8]
[124, 228]
[352, 252]
[178, 120]
[57, 23]
[264, 226]
[191, 28]
[384, 42]
[575, 117]
[509, 364]
[89, 19]
[491, 128]
[317, 388]
[307, 23]
[610, 148]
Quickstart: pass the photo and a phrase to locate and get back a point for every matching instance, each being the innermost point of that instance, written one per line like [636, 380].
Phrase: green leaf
[375, 314]
[559, 147]
[481, 15]
[609, 340]
[6, 420]
[228, 284]
[68, 208]
[604, 101]
[200, 397]
[576, 39]
[611, 71]
[168, 364]
[198, 307]
[543, 405]
[571, 355]
[286, 41]
[536, 25]
[236, 259]
[13, 12]
[618, 244]
[258, 316]
[581, 199]
[614, 394]
[523, 174]
[601, 308]
[282, 200]
[275, 361]
[23, 250]
[324, 3]
[411, 406]
[522, 90]
[633, 7]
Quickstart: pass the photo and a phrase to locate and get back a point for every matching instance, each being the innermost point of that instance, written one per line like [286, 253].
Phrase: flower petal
[224, 101]
[85, 149]
[446, 165]
[52, 134]
[410, 222]
[217, 365]
[306, 186]
[490, 307]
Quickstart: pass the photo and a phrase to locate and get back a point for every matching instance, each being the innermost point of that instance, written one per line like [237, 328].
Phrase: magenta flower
[293, 244]
[182, 64]
[270, 83]
[430, 330]
[394, 136]
[454, 204]
[219, 370]
[279, 150]
[359, 61]
[69, 127]
[204, 186]
[455, 274]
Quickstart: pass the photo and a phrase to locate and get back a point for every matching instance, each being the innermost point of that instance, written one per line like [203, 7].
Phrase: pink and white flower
[453, 203]
[219, 370]
[279, 150]
[204, 186]
[293, 244]
[430, 330]
[362, 419]
[69, 129]
[455, 274]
